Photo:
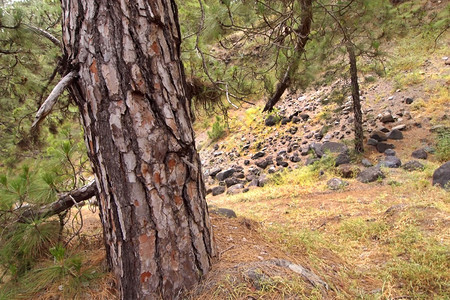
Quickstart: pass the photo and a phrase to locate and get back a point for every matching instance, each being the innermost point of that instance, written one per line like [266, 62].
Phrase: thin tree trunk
[302, 38]
[359, 136]
[132, 99]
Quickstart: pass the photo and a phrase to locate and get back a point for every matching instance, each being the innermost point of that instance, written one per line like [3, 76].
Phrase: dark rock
[285, 120]
[284, 164]
[383, 129]
[310, 161]
[342, 158]
[336, 184]
[214, 172]
[317, 149]
[442, 176]
[420, 154]
[413, 165]
[258, 155]
[295, 158]
[235, 189]
[296, 119]
[389, 152]
[395, 135]
[333, 147]
[391, 162]
[223, 212]
[370, 175]
[372, 142]
[254, 183]
[221, 176]
[271, 120]
[239, 175]
[217, 190]
[387, 118]
[246, 162]
[232, 181]
[304, 117]
[293, 130]
[349, 171]
[409, 100]
[379, 136]
[366, 163]
[381, 147]
[263, 163]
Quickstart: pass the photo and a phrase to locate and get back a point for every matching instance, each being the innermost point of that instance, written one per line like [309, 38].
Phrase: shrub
[443, 145]
[217, 131]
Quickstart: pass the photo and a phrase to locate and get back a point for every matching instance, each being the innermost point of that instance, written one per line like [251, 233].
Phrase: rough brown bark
[302, 38]
[64, 202]
[132, 99]
[359, 135]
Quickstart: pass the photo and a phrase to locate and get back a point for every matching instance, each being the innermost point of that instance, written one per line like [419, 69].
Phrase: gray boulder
[342, 158]
[223, 212]
[442, 176]
[333, 147]
[221, 176]
[419, 154]
[217, 190]
[391, 162]
[378, 135]
[336, 184]
[235, 189]
[381, 147]
[389, 152]
[370, 175]
[413, 165]
[366, 163]
[395, 135]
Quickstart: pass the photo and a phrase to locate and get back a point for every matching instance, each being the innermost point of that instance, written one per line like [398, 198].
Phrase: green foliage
[217, 130]
[443, 145]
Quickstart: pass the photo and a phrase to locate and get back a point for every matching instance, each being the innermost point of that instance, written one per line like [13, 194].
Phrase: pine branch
[45, 33]
[65, 202]
[47, 107]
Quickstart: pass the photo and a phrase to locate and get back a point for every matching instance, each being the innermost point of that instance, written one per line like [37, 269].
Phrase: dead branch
[65, 202]
[44, 33]
[47, 107]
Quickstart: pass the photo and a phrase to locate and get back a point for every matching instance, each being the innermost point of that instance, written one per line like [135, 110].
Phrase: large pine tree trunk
[131, 94]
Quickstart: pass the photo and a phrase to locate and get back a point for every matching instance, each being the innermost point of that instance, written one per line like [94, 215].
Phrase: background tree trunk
[302, 38]
[131, 94]
[359, 135]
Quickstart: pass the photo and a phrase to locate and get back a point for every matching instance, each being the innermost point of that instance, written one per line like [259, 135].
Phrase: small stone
[409, 100]
[395, 135]
[223, 212]
[218, 190]
[389, 152]
[420, 154]
[379, 136]
[372, 142]
[400, 127]
[381, 147]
